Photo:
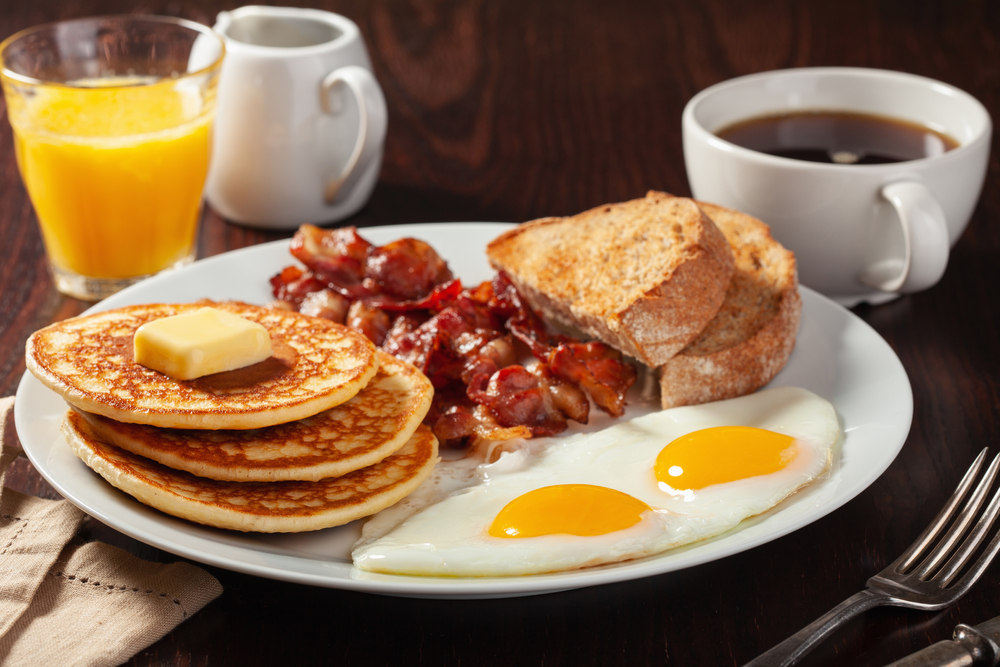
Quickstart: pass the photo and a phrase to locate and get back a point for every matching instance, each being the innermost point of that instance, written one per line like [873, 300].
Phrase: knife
[968, 647]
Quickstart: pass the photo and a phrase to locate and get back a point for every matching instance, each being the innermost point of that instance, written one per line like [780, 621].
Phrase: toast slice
[644, 276]
[752, 336]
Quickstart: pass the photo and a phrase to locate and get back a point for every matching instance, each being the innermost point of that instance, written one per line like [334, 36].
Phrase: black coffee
[838, 137]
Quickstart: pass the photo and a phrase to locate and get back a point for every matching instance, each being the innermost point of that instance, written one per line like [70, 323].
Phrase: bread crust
[644, 276]
[754, 334]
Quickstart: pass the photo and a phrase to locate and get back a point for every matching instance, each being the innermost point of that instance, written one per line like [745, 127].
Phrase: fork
[917, 579]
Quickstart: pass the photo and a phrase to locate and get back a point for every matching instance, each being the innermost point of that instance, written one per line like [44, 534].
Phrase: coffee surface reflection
[836, 137]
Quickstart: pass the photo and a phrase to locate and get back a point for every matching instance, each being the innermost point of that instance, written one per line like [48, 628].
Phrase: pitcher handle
[371, 129]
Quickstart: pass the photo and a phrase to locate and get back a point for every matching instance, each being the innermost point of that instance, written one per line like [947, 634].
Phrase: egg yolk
[722, 454]
[574, 509]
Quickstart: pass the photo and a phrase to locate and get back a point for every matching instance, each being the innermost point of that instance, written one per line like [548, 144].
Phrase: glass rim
[153, 18]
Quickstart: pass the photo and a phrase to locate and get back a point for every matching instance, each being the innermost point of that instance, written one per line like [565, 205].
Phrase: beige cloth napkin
[67, 603]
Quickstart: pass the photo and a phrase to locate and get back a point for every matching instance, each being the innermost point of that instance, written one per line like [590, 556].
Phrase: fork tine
[954, 534]
[915, 550]
[958, 560]
[970, 577]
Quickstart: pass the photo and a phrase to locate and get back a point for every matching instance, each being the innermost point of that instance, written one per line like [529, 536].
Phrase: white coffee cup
[301, 120]
[859, 232]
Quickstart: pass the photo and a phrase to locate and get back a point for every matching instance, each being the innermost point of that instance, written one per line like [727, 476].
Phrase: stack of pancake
[326, 431]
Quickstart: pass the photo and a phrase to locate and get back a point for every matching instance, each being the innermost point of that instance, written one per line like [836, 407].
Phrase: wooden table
[519, 109]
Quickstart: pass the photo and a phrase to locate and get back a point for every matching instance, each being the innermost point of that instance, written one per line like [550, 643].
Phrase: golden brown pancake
[267, 507]
[88, 360]
[361, 432]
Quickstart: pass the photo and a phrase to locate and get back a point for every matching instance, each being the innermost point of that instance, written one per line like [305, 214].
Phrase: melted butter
[201, 343]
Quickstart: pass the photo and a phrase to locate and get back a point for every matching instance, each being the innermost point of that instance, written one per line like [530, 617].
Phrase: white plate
[837, 356]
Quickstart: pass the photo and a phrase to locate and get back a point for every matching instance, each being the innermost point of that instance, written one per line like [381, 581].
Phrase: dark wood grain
[520, 109]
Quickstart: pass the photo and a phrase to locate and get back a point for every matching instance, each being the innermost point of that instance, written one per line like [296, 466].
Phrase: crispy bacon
[457, 421]
[594, 366]
[567, 398]
[327, 304]
[489, 358]
[597, 368]
[521, 320]
[437, 298]
[400, 341]
[452, 417]
[455, 424]
[372, 322]
[447, 345]
[407, 269]
[403, 297]
[488, 428]
[337, 256]
[294, 285]
[516, 397]
[402, 275]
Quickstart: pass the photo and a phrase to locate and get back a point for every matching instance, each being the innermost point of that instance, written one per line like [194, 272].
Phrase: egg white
[442, 529]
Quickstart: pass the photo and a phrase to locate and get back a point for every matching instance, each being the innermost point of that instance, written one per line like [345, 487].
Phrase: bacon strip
[438, 296]
[372, 322]
[596, 368]
[337, 256]
[404, 298]
[517, 398]
[407, 274]
[407, 269]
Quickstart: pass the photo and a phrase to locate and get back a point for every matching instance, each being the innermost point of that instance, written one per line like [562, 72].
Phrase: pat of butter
[195, 344]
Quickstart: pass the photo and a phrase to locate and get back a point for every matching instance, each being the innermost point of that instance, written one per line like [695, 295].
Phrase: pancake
[266, 507]
[316, 364]
[361, 432]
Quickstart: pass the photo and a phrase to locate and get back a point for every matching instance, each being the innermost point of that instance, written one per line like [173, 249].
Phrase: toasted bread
[359, 433]
[88, 360]
[644, 276]
[266, 507]
[752, 336]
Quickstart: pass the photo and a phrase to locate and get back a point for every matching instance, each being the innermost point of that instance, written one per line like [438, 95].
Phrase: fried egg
[634, 489]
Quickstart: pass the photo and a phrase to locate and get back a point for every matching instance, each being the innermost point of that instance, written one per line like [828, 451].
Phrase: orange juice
[115, 173]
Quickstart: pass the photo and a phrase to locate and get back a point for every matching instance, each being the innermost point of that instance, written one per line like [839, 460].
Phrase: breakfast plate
[837, 356]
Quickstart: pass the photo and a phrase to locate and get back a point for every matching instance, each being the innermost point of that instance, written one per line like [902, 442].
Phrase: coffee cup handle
[925, 239]
[371, 130]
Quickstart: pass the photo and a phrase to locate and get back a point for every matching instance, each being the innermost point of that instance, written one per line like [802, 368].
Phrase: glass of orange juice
[112, 120]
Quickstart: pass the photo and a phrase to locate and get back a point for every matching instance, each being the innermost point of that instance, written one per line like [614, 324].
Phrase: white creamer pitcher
[301, 120]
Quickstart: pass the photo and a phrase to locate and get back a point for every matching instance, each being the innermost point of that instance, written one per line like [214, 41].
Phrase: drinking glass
[112, 128]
